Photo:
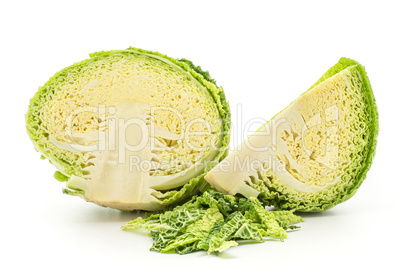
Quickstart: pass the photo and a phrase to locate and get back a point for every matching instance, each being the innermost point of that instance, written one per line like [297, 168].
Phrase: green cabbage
[213, 222]
[130, 129]
[315, 153]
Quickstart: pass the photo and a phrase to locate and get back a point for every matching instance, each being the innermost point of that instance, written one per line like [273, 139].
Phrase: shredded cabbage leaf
[213, 222]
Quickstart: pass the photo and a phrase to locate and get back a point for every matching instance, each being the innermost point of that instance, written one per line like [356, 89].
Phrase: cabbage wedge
[315, 153]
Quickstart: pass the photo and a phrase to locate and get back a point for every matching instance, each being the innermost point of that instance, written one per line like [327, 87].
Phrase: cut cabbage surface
[131, 129]
[315, 153]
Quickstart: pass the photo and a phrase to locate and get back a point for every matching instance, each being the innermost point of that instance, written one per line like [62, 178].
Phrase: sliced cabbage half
[131, 129]
[315, 153]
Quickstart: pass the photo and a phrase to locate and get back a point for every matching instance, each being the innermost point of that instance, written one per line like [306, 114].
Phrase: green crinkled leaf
[162, 239]
[268, 221]
[204, 243]
[181, 241]
[218, 241]
[201, 227]
[286, 218]
[197, 230]
[179, 219]
[224, 205]
[249, 232]
[130, 226]
[223, 246]
[187, 248]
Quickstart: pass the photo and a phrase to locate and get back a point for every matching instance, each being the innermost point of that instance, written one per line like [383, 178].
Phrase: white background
[264, 54]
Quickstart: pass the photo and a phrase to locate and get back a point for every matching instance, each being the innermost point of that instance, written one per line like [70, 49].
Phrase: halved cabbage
[131, 129]
[315, 153]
